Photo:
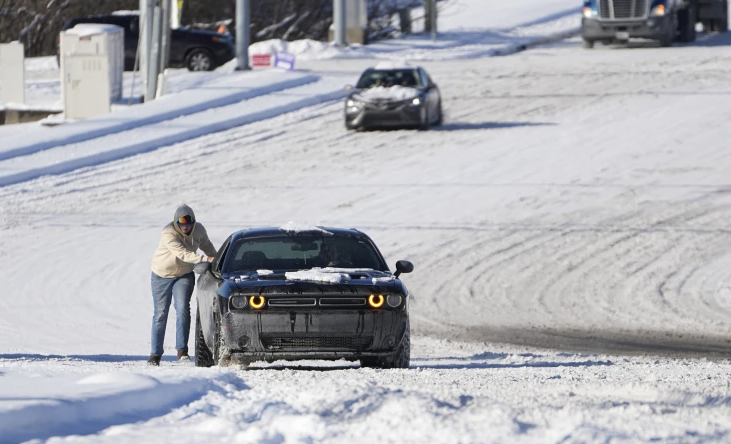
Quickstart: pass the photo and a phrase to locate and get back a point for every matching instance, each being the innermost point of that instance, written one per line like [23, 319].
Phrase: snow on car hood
[331, 275]
[392, 93]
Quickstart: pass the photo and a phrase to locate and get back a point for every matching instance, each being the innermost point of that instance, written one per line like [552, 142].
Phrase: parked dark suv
[194, 49]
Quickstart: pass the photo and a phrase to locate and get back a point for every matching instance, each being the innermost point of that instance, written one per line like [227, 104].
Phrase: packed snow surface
[568, 226]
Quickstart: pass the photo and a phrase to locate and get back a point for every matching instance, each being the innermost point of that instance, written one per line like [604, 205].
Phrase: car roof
[276, 231]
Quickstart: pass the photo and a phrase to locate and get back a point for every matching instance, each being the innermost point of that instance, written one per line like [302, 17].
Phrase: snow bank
[302, 49]
[118, 145]
[39, 405]
[227, 91]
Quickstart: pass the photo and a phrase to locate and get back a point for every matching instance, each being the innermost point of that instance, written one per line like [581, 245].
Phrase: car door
[208, 284]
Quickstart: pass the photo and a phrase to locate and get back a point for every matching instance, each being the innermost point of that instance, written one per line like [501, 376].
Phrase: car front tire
[400, 359]
[199, 60]
[203, 354]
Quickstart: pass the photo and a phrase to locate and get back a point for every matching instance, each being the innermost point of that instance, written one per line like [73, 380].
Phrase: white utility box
[12, 73]
[92, 68]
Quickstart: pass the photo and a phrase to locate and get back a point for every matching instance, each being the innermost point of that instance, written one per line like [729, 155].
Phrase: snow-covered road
[574, 200]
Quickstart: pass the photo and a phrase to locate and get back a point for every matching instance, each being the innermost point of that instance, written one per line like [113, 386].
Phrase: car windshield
[388, 78]
[301, 252]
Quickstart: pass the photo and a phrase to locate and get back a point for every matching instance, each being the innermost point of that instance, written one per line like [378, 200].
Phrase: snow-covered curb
[227, 91]
[94, 152]
[83, 404]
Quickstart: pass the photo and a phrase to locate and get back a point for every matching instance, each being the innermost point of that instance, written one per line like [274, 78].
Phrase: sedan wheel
[199, 60]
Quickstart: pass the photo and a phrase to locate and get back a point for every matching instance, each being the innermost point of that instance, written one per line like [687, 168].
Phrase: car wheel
[199, 60]
[424, 117]
[400, 359]
[203, 355]
[440, 120]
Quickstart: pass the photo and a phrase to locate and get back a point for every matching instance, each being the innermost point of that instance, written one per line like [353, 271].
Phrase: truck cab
[665, 21]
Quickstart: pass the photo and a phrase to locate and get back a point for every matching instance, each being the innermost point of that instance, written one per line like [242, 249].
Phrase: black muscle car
[299, 292]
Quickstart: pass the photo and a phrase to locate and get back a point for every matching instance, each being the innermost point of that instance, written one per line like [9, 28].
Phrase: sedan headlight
[416, 102]
[352, 103]
[658, 11]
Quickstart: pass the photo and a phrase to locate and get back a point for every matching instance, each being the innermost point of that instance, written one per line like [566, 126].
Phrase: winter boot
[183, 356]
[154, 360]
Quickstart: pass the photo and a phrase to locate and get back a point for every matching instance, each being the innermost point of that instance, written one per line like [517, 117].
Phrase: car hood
[317, 281]
[380, 94]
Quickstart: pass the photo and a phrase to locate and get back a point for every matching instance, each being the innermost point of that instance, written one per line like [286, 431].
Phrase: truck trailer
[665, 21]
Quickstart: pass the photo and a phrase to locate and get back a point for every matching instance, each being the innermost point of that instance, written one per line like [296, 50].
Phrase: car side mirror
[202, 267]
[403, 267]
[348, 87]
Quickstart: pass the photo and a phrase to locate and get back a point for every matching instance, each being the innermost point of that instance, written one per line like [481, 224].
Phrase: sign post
[243, 26]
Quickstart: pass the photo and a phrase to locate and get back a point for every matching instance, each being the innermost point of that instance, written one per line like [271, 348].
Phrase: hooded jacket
[176, 254]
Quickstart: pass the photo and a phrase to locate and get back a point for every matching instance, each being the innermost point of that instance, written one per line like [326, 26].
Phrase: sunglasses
[186, 220]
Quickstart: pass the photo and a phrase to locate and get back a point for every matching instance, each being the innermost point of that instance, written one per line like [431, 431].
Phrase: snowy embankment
[80, 149]
[39, 402]
[454, 392]
[467, 30]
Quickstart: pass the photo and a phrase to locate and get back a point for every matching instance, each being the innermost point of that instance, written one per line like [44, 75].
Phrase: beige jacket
[176, 254]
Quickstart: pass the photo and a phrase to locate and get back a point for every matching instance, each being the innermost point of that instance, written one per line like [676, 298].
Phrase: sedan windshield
[389, 78]
[301, 252]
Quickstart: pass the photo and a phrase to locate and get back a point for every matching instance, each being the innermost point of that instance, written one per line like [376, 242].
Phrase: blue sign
[284, 60]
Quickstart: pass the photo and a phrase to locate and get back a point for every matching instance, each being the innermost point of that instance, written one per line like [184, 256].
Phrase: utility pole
[339, 22]
[145, 40]
[153, 68]
[430, 18]
[243, 28]
[433, 19]
[167, 11]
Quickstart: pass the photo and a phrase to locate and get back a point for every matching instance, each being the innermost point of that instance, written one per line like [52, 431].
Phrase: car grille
[292, 302]
[316, 342]
[342, 302]
[622, 9]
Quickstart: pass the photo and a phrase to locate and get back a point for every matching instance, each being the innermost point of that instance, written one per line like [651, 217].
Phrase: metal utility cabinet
[666, 21]
[92, 66]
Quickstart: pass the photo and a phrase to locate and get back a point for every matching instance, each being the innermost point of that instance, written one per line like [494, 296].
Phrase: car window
[425, 77]
[300, 252]
[392, 77]
[216, 265]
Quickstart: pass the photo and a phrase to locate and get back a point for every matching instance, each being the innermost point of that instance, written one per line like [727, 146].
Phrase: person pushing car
[173, 278]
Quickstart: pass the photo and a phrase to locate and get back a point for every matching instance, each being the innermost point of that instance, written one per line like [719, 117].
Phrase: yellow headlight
[376, 301]
[658, 10]
[257, 302]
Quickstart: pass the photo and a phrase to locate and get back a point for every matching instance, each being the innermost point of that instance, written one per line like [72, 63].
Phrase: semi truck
[665, 21]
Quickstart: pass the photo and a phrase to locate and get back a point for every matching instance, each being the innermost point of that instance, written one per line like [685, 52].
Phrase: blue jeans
[180, 290]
